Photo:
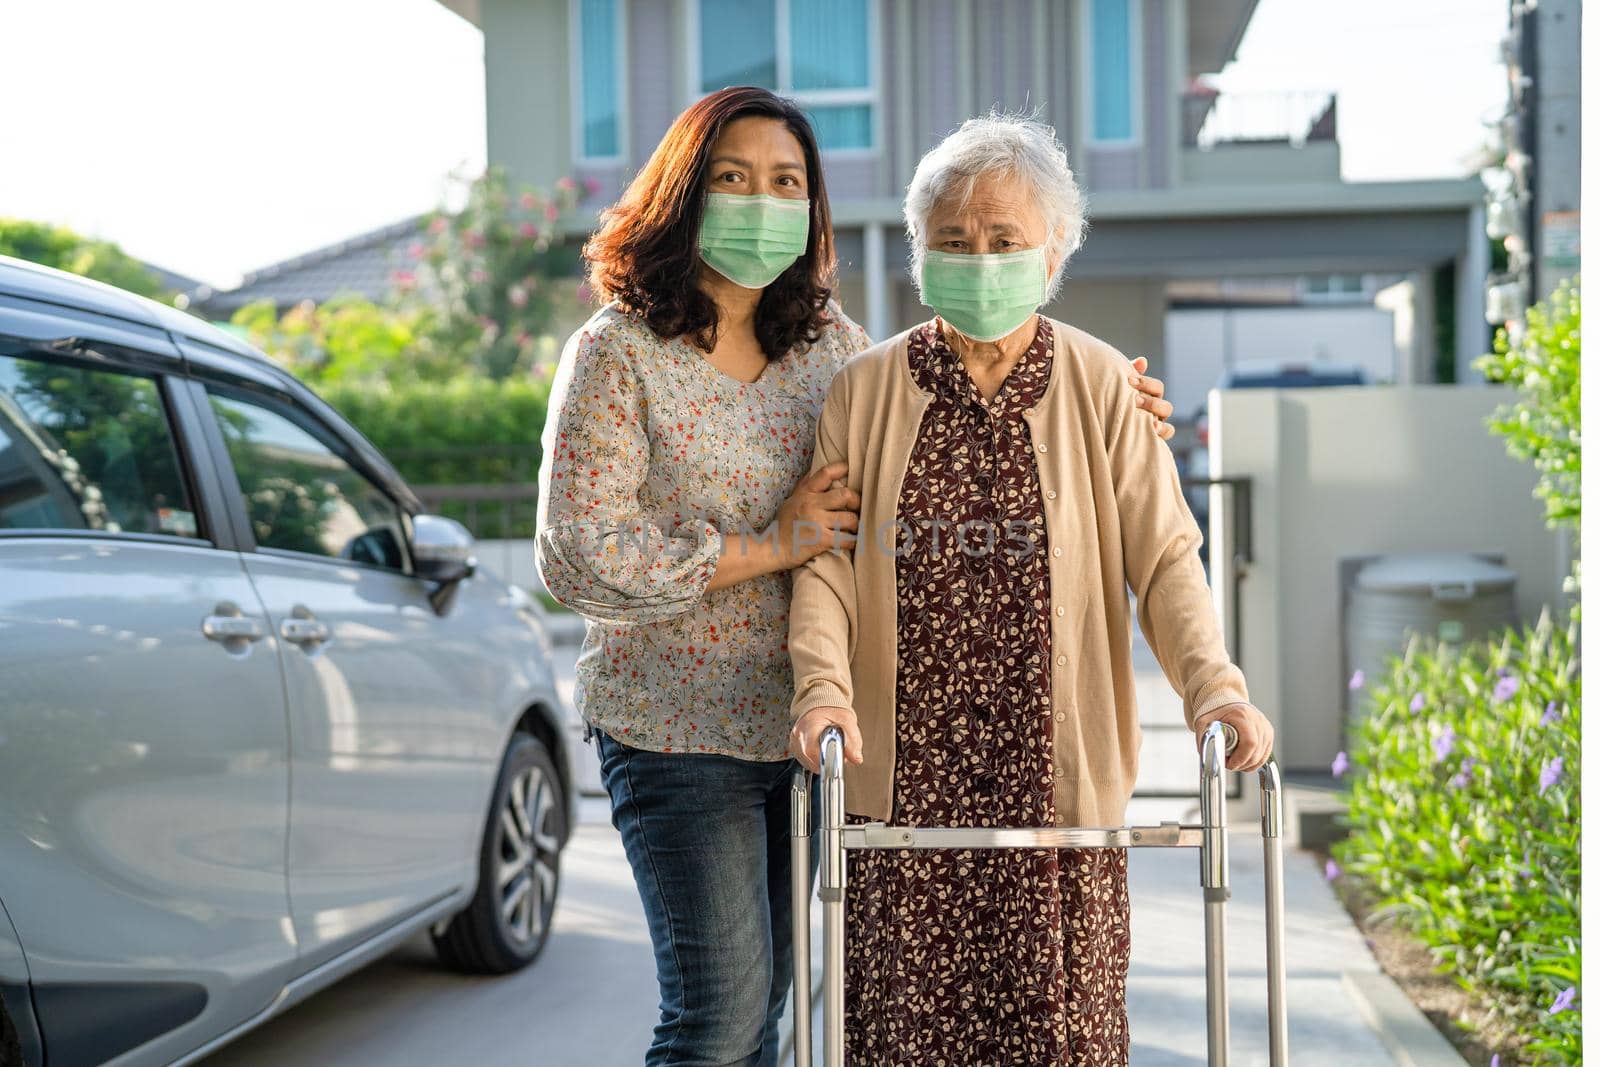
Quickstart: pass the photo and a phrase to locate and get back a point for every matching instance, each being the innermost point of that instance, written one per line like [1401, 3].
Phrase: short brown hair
[646, 253]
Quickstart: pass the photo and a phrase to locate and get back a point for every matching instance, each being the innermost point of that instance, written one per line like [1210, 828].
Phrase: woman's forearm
[745, 557]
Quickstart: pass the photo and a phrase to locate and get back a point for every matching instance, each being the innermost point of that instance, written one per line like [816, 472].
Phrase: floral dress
[969, 958]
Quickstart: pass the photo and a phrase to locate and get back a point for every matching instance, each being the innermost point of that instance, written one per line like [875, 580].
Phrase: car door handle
[303, 631]
[232, 628]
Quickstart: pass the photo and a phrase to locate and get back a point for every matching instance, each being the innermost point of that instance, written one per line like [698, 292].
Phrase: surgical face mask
[750, 240]
[984, 297]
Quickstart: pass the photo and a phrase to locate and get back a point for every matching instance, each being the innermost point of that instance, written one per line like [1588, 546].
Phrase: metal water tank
[1452, 596]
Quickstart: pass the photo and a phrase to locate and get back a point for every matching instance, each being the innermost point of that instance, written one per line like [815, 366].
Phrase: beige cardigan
[1115, 517]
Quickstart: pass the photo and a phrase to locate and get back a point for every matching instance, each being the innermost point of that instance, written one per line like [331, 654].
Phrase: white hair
[1006, 144]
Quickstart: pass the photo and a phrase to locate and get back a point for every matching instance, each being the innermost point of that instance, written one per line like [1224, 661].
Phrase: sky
[213, 137]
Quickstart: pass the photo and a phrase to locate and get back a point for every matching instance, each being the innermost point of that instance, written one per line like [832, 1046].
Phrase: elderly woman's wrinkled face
[1000, 216]
[986, 269]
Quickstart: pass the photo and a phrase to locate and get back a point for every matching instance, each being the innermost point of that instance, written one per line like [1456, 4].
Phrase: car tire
[519, 868]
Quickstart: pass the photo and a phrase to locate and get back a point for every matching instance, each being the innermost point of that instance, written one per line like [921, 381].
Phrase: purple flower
[1444, 744]
[1465, 777]
[1417, 703]
[1494, 1061]
[1551, 773]
[1563, 1001]
[1527, 864]
[1331, 871]
[1341, 763]
[1506, 687]
[1358, 680]
[1552, 712]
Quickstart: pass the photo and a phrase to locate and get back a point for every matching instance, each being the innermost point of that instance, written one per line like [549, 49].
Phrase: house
[1186, 185]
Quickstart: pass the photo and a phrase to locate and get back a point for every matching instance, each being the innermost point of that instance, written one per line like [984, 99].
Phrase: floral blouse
[651, 454]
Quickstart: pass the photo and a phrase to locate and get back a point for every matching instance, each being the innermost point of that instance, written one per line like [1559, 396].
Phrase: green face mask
[750, 240]
[984, 297]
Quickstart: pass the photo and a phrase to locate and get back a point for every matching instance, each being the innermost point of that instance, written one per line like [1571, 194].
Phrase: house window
[1335, 289]
[818, 52]
[1113, 39]
[599, 50]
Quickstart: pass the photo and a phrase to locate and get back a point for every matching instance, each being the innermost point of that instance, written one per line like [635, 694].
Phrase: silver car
[260, 718]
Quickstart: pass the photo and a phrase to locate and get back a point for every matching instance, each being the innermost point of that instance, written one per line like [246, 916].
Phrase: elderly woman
[974, 647]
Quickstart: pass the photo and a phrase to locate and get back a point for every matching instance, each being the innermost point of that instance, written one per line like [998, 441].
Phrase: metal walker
[1210, 837]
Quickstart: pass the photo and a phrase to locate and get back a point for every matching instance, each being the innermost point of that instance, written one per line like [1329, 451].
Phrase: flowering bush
[1464, 814]
[348, 339]
[488, 271]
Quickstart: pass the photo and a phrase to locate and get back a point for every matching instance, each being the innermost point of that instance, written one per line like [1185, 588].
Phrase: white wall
[1202, 342]
[1351, 472]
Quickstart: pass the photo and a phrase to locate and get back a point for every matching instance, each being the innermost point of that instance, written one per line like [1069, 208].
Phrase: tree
[1543, 425]
[56, 246]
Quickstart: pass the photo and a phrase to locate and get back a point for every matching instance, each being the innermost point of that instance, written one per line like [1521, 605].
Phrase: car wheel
[519, 868]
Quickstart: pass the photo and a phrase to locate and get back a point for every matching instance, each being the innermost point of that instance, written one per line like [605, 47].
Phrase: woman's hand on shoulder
[1255, 734]
[1152, 398]
[805, 740]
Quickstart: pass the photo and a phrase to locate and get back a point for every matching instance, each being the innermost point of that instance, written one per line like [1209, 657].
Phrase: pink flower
[477, 276]
[591, 185]
[566, 185]
[437, 226]
[517, 295]
[472, 239]
[528, 230]
[552, 212]
[403, 278]
[527, 200]
[416, 250]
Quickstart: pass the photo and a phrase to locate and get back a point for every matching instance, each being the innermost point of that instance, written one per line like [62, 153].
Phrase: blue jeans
[708, 839]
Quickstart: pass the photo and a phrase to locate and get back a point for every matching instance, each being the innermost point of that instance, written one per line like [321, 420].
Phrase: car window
[87, 450]
[300, 493]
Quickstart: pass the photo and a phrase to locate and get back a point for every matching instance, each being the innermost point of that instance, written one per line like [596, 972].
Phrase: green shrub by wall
[1464, 813]
[469, 431]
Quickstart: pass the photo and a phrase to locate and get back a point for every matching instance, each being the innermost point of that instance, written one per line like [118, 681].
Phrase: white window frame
[870, 95]
[575, 50]
[1086, 83]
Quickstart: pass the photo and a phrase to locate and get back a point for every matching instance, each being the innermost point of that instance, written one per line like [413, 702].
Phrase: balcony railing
[1213, 118]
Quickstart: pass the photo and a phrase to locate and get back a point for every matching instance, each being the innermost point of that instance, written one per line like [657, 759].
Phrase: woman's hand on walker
[805, 740]
[1255, 734]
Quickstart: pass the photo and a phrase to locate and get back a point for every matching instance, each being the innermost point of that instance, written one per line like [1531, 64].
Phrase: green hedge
[1464, 813]
[467, 431]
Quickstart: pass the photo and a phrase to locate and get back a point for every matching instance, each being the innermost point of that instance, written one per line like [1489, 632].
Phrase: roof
[172, 281]
[361, 264]
[1216, 27]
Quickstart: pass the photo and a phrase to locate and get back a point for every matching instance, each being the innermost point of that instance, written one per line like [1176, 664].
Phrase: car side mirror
[442, 549]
